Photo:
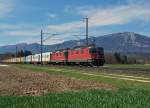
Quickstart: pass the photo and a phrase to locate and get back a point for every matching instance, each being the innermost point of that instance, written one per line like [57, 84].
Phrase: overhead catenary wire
[80, 38]
[43, 40]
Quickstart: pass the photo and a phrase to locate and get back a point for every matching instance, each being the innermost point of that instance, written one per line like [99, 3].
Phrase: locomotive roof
[79, 47]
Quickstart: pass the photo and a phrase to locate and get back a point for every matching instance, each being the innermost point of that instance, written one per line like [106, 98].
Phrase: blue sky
[22, 20]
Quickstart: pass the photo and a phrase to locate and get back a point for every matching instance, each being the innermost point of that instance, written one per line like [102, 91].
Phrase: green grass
[130, 66]
[87, 99]
[73, 73]
[128, 95]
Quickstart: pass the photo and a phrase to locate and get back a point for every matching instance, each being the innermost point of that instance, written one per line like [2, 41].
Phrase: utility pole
[87, 31]
[16, 53]
[42, 33]
[24, 54]
[41, 48]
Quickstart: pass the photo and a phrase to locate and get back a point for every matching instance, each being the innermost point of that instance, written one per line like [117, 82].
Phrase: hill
[117, 42]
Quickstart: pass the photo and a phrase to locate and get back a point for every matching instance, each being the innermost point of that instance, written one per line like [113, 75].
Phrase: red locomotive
[84, 56]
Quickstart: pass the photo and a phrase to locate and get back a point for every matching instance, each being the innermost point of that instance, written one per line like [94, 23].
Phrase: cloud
[54, 40]
[23, 33]
[7, 26]
[50, 41]
[66, 26]
[6, 6]
[52, 15]
[117, 15]
[106, 16]
[19, 29]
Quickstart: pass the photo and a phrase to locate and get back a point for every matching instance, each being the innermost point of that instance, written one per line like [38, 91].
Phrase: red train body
[83, 56]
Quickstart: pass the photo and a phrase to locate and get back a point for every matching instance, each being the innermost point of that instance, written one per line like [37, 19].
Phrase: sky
[21, 21]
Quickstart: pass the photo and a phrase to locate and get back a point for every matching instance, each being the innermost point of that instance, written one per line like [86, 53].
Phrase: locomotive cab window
[92, 50]
[100, 50]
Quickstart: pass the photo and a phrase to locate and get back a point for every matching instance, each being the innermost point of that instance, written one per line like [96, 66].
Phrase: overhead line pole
[87, 30]
[24, 53]
[42, 33]
[16, 53]
[41, 48]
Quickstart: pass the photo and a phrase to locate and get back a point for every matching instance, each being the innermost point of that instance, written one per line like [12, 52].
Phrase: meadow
[128, 93]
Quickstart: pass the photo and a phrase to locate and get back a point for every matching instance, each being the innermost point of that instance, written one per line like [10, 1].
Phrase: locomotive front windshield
[98, 50]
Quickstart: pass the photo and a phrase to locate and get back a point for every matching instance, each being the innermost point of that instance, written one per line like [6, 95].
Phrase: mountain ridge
[116, 42]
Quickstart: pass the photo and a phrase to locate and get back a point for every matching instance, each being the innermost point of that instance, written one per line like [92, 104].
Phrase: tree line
[127, 58]
[20, 53]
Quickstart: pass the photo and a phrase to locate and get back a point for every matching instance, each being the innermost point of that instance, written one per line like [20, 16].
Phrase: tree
[23, 53]
[117, 57]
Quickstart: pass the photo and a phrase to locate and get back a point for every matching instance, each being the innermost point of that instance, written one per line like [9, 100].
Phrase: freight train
[89, 55]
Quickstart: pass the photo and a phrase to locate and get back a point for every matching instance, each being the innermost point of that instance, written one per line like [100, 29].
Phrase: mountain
[124, 42]
[117, 42]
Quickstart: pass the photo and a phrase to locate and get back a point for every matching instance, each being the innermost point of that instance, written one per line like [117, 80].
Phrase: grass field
[86, 99]
[83, 74]
[128, 94]
[130, 65]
